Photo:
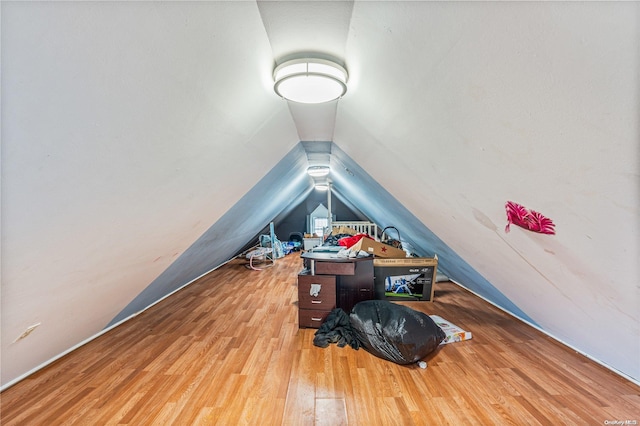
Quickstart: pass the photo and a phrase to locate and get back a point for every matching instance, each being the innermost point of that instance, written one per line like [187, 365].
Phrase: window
[319, 223]
[318, 220]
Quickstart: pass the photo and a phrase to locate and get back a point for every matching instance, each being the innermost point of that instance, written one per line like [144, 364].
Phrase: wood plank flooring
[227, 350]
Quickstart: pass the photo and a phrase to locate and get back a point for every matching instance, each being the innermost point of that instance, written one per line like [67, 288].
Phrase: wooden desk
[343, 282]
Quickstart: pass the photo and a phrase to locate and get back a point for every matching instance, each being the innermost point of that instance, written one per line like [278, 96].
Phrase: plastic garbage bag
[395, 332]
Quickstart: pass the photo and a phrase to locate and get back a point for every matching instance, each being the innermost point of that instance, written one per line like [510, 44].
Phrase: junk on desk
[397, 243]
[350, 241]
[379, 249]
[356, 241]
[311, 241]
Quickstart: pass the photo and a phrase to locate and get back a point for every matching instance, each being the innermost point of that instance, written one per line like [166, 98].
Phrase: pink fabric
[528, 219]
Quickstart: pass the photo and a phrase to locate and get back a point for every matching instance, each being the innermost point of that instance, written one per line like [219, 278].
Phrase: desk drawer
[326, 298]
[335, 268]
[310, 318]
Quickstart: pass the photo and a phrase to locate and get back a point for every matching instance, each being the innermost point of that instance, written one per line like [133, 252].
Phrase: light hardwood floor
[227, 350]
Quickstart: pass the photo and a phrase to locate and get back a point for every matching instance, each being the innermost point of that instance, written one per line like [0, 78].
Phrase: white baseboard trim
[586, 355]
[103, 331]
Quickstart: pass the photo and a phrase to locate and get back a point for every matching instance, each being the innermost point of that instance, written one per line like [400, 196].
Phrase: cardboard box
[337, 230]
[407, 279]
[378, 249]
[453, 332]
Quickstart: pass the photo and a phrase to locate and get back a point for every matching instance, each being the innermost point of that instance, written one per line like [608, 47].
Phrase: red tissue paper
[528, 219]
[348, 242]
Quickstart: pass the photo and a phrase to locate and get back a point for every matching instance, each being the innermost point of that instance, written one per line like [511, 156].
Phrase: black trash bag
[395, 332]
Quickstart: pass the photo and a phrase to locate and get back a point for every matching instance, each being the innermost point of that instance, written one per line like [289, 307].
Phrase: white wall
[534, 102]
[125, 136]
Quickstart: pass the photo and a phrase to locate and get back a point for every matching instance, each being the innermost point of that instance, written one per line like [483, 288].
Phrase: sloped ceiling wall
[132, 132]
[474, 104]
[128, 129]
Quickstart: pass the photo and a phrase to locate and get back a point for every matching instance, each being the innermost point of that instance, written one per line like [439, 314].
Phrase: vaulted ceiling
[143, 145]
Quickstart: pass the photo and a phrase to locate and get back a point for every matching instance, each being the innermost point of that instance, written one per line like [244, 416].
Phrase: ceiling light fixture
[310, 80]
[318, 171]
[321, 186]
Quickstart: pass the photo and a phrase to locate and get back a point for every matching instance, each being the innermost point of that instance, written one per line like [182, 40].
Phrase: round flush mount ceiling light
[310, 80]
[318, 171]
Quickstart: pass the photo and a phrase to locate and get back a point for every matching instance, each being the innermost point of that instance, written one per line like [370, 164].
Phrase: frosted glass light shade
[310, 81]
[318, 171]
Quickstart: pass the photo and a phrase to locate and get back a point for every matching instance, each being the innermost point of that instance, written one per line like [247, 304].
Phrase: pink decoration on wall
[528, 219]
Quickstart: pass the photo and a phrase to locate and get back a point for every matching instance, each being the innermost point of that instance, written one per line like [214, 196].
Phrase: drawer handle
[316, 319]
[316, 301]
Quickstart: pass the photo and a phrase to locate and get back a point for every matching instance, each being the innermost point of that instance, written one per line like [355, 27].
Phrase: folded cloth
[336, 328]
[315, 290]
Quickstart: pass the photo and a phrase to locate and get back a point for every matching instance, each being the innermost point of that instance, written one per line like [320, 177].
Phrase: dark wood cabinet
[316, 298]
[357, 287]
[338, 283]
